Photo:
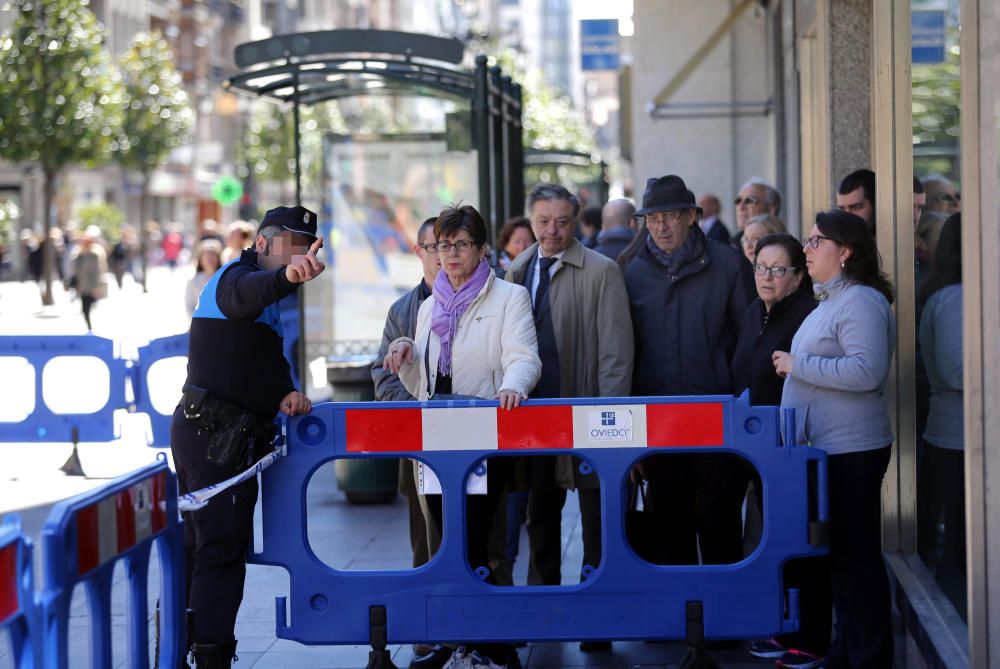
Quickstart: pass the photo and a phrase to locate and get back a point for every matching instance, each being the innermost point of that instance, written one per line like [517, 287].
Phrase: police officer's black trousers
[216, 537]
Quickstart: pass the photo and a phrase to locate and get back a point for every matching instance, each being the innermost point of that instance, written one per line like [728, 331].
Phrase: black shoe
[214, 656]
[594, 646]
[435, 659]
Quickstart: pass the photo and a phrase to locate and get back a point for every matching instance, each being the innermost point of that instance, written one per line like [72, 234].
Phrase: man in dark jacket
[687, 295]
[402, 322]
[617, 228]
[245, 381]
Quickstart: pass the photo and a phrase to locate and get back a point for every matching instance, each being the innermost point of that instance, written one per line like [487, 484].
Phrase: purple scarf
[449, 305]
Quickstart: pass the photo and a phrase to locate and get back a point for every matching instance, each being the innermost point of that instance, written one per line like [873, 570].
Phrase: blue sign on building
[927, 27]
[599, 44]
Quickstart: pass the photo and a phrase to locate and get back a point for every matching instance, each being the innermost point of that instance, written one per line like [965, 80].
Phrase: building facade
[801, 93]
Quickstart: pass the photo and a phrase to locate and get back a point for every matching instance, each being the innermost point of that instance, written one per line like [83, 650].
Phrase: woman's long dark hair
[796, 257]
[865, 264]
[947, 267]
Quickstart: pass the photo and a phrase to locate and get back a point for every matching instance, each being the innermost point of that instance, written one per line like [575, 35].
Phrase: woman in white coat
[475, 338]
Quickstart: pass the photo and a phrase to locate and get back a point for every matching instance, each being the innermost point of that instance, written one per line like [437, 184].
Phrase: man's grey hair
[552, 192]
[773, 194]
[619, 213]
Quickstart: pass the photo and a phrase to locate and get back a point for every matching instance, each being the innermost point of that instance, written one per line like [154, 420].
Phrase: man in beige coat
[585, 342]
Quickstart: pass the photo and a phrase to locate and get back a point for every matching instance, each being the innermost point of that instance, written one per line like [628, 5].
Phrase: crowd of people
[87, 261]
[663, 300]
[655, 301]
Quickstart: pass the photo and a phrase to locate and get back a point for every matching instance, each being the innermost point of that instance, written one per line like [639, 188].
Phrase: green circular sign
[227, 190]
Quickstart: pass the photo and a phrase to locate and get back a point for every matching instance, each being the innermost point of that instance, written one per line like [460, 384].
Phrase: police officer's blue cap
[295, 219]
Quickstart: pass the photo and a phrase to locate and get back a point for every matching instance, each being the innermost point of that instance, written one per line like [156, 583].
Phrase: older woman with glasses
[785, 298]
[475, 337]
[835, 380]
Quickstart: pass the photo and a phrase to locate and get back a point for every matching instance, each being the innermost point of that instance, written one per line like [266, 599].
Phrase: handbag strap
[638, 492]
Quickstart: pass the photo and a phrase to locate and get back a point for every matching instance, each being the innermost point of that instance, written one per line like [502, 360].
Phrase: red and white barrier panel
[535, 427]
[9, 597]
[115, 524]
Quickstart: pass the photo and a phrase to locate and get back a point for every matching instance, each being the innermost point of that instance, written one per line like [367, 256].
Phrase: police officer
[237, 381]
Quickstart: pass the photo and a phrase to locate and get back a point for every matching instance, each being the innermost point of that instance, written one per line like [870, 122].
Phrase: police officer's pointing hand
[307, 267]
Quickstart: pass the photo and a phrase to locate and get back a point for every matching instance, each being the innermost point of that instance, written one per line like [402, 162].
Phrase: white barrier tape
[199, 498]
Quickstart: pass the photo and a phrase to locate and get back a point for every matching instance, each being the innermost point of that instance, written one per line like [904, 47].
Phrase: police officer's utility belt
[236, 436]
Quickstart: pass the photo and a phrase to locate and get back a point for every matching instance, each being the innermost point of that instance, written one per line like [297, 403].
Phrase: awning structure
[330, 64]
[314, 67]
[310, 68]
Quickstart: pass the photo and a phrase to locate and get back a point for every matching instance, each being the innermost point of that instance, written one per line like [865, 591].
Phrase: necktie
[541, 291]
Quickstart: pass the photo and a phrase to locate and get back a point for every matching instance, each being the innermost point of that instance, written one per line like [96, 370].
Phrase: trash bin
[369, 480]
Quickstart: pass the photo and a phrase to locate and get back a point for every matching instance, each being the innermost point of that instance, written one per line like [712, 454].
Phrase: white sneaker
[458, 660]
[484, 662]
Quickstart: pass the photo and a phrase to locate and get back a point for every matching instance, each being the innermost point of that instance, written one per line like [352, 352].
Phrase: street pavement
[345, 536]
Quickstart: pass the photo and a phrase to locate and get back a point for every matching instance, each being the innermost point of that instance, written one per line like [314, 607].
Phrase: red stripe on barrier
[88, 539]
[684, 425]
[383, 430]
[9, 599]
[125, 517]
[158, 514]
[530, 427]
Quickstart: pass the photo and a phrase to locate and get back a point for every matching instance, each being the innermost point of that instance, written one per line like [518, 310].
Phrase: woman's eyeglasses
[776, 272]
[463, 246]
[813, 242]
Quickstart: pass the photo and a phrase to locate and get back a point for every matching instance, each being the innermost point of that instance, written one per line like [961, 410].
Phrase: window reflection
[941, 481]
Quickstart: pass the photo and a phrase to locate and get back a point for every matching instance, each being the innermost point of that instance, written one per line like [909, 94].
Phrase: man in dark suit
[586, 345]
[711, 225]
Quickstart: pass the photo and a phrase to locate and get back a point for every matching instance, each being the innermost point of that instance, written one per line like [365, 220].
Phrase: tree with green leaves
[936, 111]
[60, 97]
[549, 118]
[106, 217]
[156, 116]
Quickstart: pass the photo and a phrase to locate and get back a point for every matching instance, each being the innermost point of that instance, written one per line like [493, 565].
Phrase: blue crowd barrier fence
[624, 597]
[151, 353]
[19, 612]
[82, 541]
[43, 424]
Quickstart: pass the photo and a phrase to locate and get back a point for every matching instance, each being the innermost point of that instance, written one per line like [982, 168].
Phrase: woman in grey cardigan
[835, 378]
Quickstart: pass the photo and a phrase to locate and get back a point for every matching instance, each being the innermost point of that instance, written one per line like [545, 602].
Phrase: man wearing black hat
[687, 295]
[237, 381]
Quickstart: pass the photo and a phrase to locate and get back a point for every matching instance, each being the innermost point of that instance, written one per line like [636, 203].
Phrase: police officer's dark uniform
[235, 354]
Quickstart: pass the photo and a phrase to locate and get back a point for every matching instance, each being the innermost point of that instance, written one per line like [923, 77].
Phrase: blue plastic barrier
[623, 598]
[19, 613]
[43, 424]
[158, 349]
[85, 536]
